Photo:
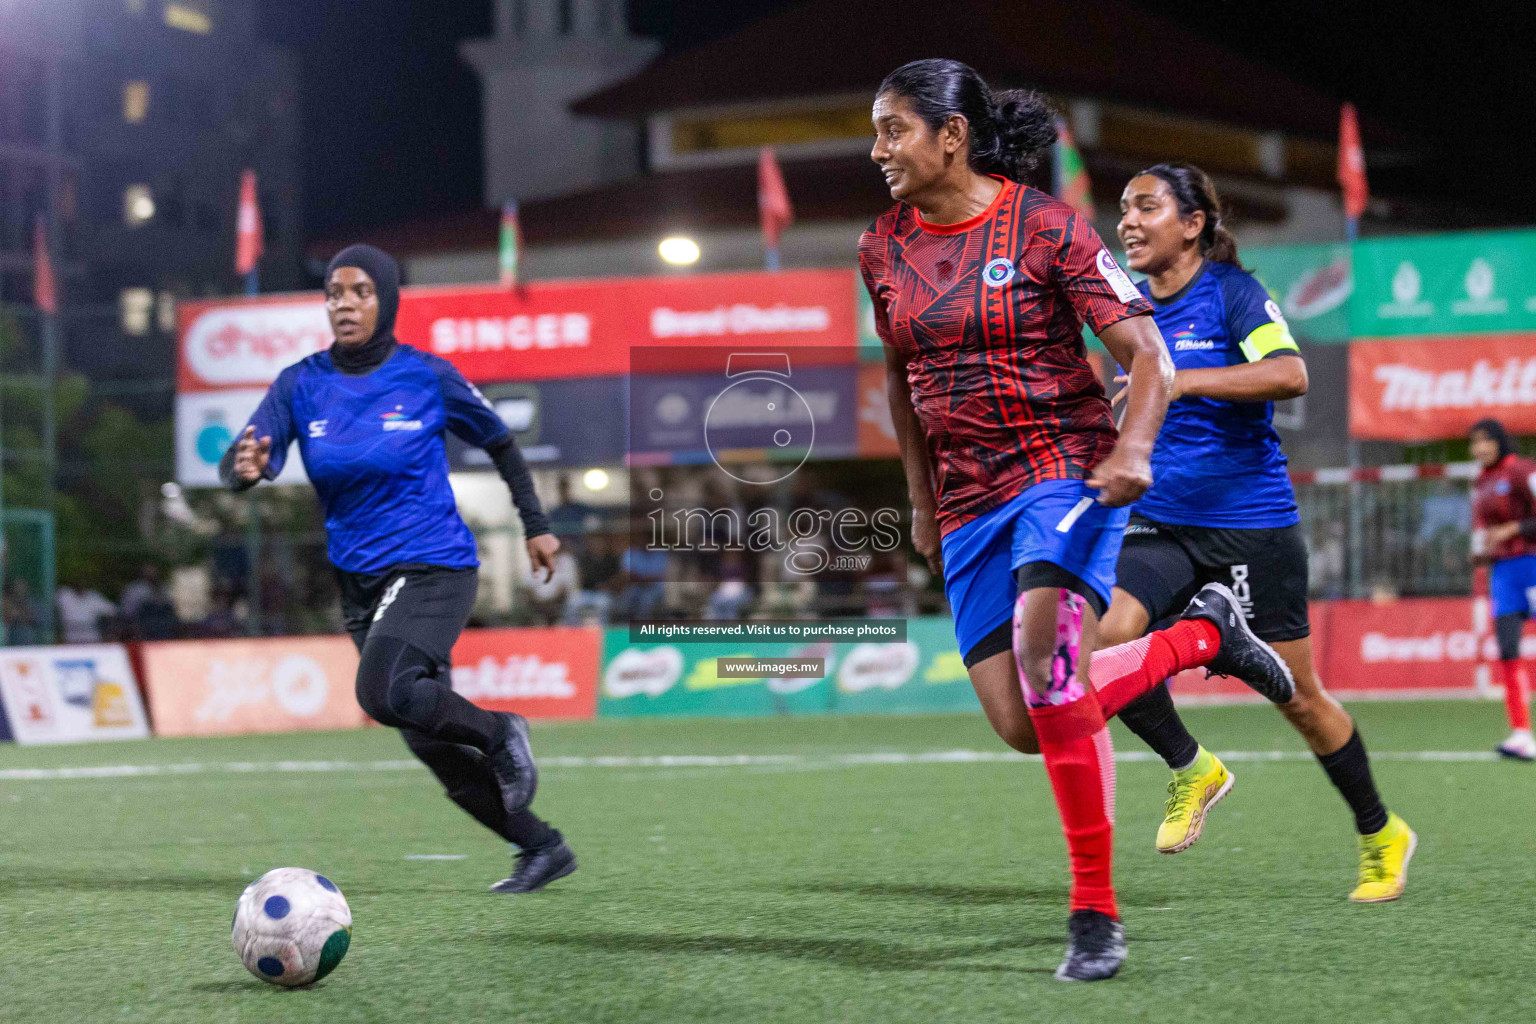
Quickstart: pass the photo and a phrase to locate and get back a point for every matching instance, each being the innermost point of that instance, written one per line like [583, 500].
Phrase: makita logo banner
[540, 673]
[1415, 390]
[544, 331]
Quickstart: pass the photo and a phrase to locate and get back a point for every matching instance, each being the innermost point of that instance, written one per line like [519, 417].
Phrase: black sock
[1153, 718]
[1349, 769]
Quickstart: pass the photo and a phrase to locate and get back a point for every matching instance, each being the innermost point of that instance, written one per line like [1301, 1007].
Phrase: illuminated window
[135, 101]
[134, 306]
[138, 205]
[190, 15]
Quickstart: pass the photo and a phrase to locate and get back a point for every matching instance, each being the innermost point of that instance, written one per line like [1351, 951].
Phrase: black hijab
[1496, 433]
[381, 266]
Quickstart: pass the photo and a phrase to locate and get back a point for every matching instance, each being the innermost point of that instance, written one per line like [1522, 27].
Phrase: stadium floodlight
[595, 479]
[678, 250]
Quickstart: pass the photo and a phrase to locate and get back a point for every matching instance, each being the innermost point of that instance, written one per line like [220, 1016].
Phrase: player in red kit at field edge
[1018, 480]
[1504, 539]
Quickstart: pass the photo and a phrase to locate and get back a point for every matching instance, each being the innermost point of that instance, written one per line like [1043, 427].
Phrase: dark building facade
[127, 123]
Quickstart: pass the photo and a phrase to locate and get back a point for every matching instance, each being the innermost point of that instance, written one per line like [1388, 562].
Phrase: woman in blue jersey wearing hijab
[369, 415]
[1221, 508]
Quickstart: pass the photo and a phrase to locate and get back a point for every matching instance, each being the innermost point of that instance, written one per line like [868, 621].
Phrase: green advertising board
[1445, 284]
[923, 674]
[1311, 283]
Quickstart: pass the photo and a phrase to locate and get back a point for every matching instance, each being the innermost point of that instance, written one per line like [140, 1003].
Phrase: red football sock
[1081, 765]
[1517, 685]
[1123, 673]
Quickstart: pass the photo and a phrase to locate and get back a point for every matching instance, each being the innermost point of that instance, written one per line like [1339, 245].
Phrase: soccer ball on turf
[291, 927]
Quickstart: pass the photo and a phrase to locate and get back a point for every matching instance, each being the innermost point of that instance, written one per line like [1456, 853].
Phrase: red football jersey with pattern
[1503, 494]
[989, 314]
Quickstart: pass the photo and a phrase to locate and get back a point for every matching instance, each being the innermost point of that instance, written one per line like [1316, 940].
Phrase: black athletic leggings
[1507, 628]
[405, 623]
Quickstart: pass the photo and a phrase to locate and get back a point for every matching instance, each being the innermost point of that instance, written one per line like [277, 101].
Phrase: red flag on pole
[773, 207]
[248, 240]
[1352, 164]
[45, 290]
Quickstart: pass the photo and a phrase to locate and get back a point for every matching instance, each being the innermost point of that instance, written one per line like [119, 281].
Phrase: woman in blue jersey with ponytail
[1221, 508]
[369, 415]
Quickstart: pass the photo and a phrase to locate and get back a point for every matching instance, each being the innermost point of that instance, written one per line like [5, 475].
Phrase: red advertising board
[538, 673]
[1413, 647]
[233, 687]
[1414, 389]
[543, 331]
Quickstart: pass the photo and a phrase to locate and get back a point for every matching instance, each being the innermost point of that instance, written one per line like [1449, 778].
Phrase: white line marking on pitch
[437, 856]
[691, 761]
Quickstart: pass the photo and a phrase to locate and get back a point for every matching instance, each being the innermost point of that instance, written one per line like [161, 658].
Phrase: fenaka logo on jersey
[1186, 341]
[998, 273]
[1125, 291]
[396, 420]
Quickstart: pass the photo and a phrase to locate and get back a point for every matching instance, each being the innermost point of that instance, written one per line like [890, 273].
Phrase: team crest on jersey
[998, 273]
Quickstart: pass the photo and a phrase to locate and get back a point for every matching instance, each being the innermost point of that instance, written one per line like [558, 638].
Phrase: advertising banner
[1416, 647]
[570, 423]
[71, 694]
[1445, 284]
[232, 687]
[1420, 389]
[1312, 283]
[924, 673]
[730, 413]
[544, 331]
[538, 673]
[206, 425]
[877, 434]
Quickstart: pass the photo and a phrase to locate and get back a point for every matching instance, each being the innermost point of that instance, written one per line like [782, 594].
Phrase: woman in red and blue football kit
[1019, 486]
[1504, 539]
[1222, 508]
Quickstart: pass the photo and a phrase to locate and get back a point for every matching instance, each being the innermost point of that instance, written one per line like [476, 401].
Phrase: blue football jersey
[373, 448]
[1219, 463]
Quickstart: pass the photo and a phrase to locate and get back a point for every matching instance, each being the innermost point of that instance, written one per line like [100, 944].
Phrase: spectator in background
[81, 613]
[597, 570]
[23, 617]
[568, 520]
[222, 619]
[732, 596]
[645, 589]
[148, 606]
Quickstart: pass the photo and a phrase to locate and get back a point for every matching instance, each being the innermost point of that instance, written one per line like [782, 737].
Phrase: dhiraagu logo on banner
[924, 673]
[1445, 284]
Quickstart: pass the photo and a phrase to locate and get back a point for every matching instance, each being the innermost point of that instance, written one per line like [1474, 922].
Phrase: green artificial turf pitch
[803, 882]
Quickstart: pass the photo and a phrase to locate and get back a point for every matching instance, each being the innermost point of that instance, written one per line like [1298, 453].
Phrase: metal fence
[1387, 531]
[1397, 531]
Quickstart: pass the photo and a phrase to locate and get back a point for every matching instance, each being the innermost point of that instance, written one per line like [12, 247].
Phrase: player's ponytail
[1026, 130]
[1008, 132]
[1193, 190]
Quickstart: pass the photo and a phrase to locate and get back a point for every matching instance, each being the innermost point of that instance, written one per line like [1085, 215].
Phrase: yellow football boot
[1192, 793]
[1384, 858]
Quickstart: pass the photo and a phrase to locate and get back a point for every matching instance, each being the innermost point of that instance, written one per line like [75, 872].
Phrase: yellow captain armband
[1266, 340]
